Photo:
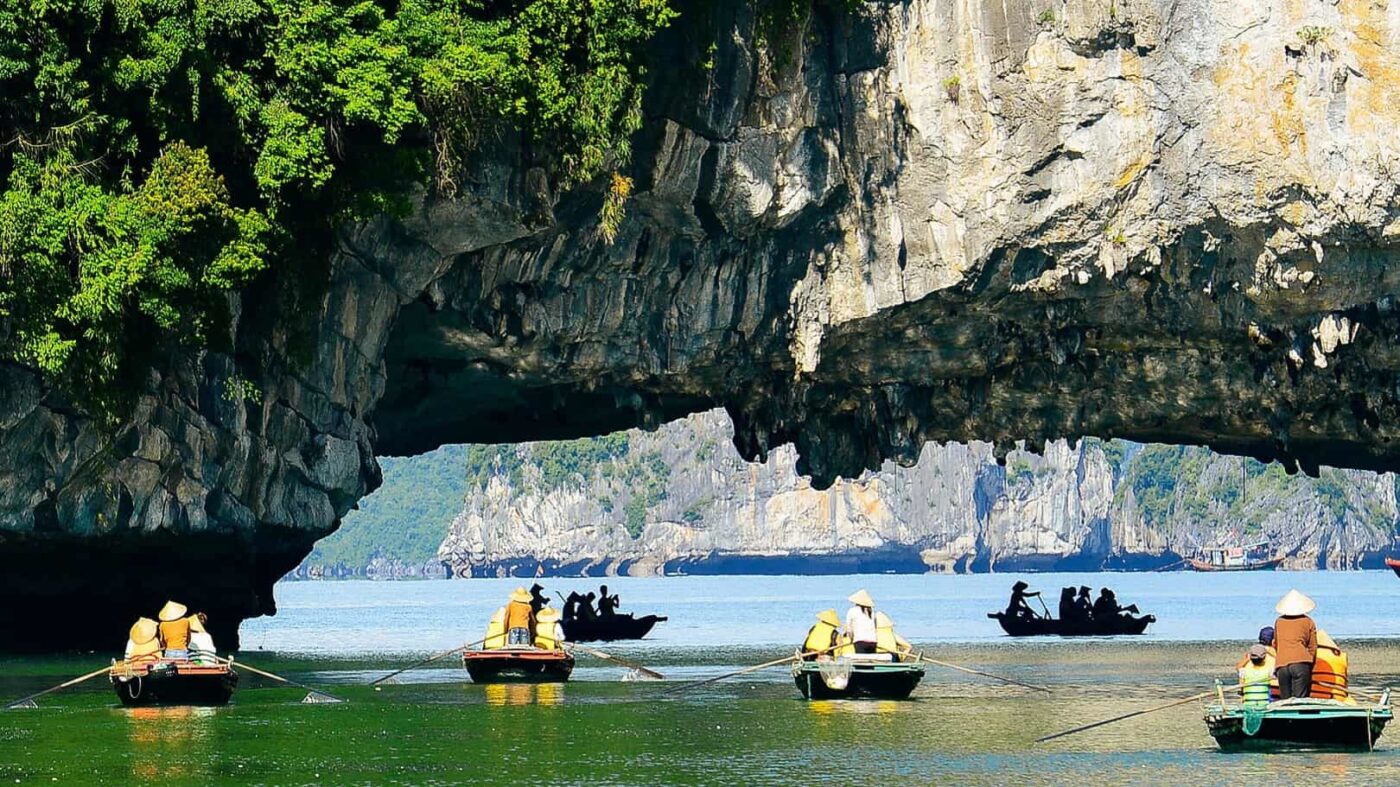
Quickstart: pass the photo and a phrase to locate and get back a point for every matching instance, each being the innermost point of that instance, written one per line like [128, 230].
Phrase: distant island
[680, 501]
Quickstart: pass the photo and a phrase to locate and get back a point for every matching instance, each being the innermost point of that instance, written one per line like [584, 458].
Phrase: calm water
[437, 728]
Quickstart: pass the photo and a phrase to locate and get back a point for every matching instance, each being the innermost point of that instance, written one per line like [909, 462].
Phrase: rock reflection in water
[501, 694]
[166, 743]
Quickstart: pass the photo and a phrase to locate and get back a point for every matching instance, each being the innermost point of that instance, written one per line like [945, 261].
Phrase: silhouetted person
[1017, 606]
[607, 605]
[537, 599]
[585, 608]
[1069, 611]
[571, 605]
[1106, 607]
[1084, 603]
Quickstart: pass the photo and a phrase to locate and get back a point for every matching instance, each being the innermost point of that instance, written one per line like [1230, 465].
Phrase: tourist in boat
[1069, 610]
[1017, 606]
[585, 607]
[1255, 678]
[1329, 673]
[1084, 604]
[1295, 643]
[549, 635]
[860, 622]
[607, 605]
[143, 643]
[571, 605]
[823, 638]
[887, 641]
[537, 599]
[1266, 639]
[201, 643]
[495, 630]
[175, 630]
[520, 619]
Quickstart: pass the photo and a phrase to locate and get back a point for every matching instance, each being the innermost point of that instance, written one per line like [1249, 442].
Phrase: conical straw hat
[520, 594]
[1294, 604]
[861, 598]
[1324, 640]
[197, 625]
[173, 611]
[548, 615]
[883, 621]
[144, 630]
[829, 617]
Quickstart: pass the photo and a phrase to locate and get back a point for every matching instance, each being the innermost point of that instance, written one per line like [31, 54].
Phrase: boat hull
[607, 629]
[1049, 627]
[1394, 565]
[878, 680]
[1300, 724]
[177, 684]
[1260, 565]
[518, 665]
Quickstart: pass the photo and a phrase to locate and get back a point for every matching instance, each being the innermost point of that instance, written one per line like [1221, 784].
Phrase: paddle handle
[266, 674]
[426, 661]
[1135, 713]
[63, 685]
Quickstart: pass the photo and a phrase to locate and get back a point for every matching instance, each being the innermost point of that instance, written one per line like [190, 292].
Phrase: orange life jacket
[519, 615]
[1329, 675]
[175, 634]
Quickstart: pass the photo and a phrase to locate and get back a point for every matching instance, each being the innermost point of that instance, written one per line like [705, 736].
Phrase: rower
[1255, 677]
[823, 638]
[1017, 606]
[520, 619]
[860, 622]
[571, 605]
[607, 605]
[1295, 641]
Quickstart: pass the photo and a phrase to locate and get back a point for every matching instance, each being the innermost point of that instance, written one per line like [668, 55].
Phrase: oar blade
[318, 698]
[22, 704]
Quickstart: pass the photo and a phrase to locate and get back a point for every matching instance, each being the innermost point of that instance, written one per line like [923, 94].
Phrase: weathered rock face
[1168, 220]
[681, 501]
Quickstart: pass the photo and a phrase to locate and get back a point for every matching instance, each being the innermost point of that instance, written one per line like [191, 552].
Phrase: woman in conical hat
[823, 638]
[173, 610]
[860, 621]
[1295, 645]
[548, 633]
[175, 630]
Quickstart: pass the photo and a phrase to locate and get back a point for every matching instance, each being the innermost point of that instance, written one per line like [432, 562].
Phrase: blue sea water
[361, 617]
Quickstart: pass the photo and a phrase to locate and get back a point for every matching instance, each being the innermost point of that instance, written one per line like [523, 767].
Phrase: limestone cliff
[1166, 220]
[681, 501]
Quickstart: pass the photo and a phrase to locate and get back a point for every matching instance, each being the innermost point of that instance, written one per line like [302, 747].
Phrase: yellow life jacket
[496, 631]
[1254, 684]
[544, 636]
[146, 651]
[886, 641]
[1329, 675]
[820, 638]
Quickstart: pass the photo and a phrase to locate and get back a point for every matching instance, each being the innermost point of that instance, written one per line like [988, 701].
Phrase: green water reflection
[602, 730]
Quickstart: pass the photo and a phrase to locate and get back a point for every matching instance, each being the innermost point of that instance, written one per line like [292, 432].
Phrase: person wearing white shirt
[860, 622]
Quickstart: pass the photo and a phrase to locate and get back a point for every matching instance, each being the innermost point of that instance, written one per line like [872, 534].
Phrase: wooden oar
[969, 671]
[600, 654]
[1194, 698]
[63, 685]
[320, 696]
[426, 661]
[754, 668]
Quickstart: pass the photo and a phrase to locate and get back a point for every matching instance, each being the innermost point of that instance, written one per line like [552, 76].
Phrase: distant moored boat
[1394, 565]
[1250, 557]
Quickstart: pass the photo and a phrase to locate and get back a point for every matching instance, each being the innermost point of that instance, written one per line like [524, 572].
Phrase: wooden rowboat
[856, 678]
[1041, 627]
[1299, 724]
[518, 665]
[167, 682]
[609, 628]
[1394, 565]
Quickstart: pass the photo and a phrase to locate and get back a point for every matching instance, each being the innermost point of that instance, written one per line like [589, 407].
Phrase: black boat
[518, 665]
[173, 683]
[847, 678]
[1044, 627]
[609, 628]
[1298, 724]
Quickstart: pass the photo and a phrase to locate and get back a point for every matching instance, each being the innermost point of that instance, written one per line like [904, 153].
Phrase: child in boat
[201, 643]
[1255, 677]
[142, 643]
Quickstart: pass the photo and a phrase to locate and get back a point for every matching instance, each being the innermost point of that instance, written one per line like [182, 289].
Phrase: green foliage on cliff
[406, 518]
[156, 155]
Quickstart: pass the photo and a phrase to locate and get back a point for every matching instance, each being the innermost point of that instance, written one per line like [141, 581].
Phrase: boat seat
[883, 657]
